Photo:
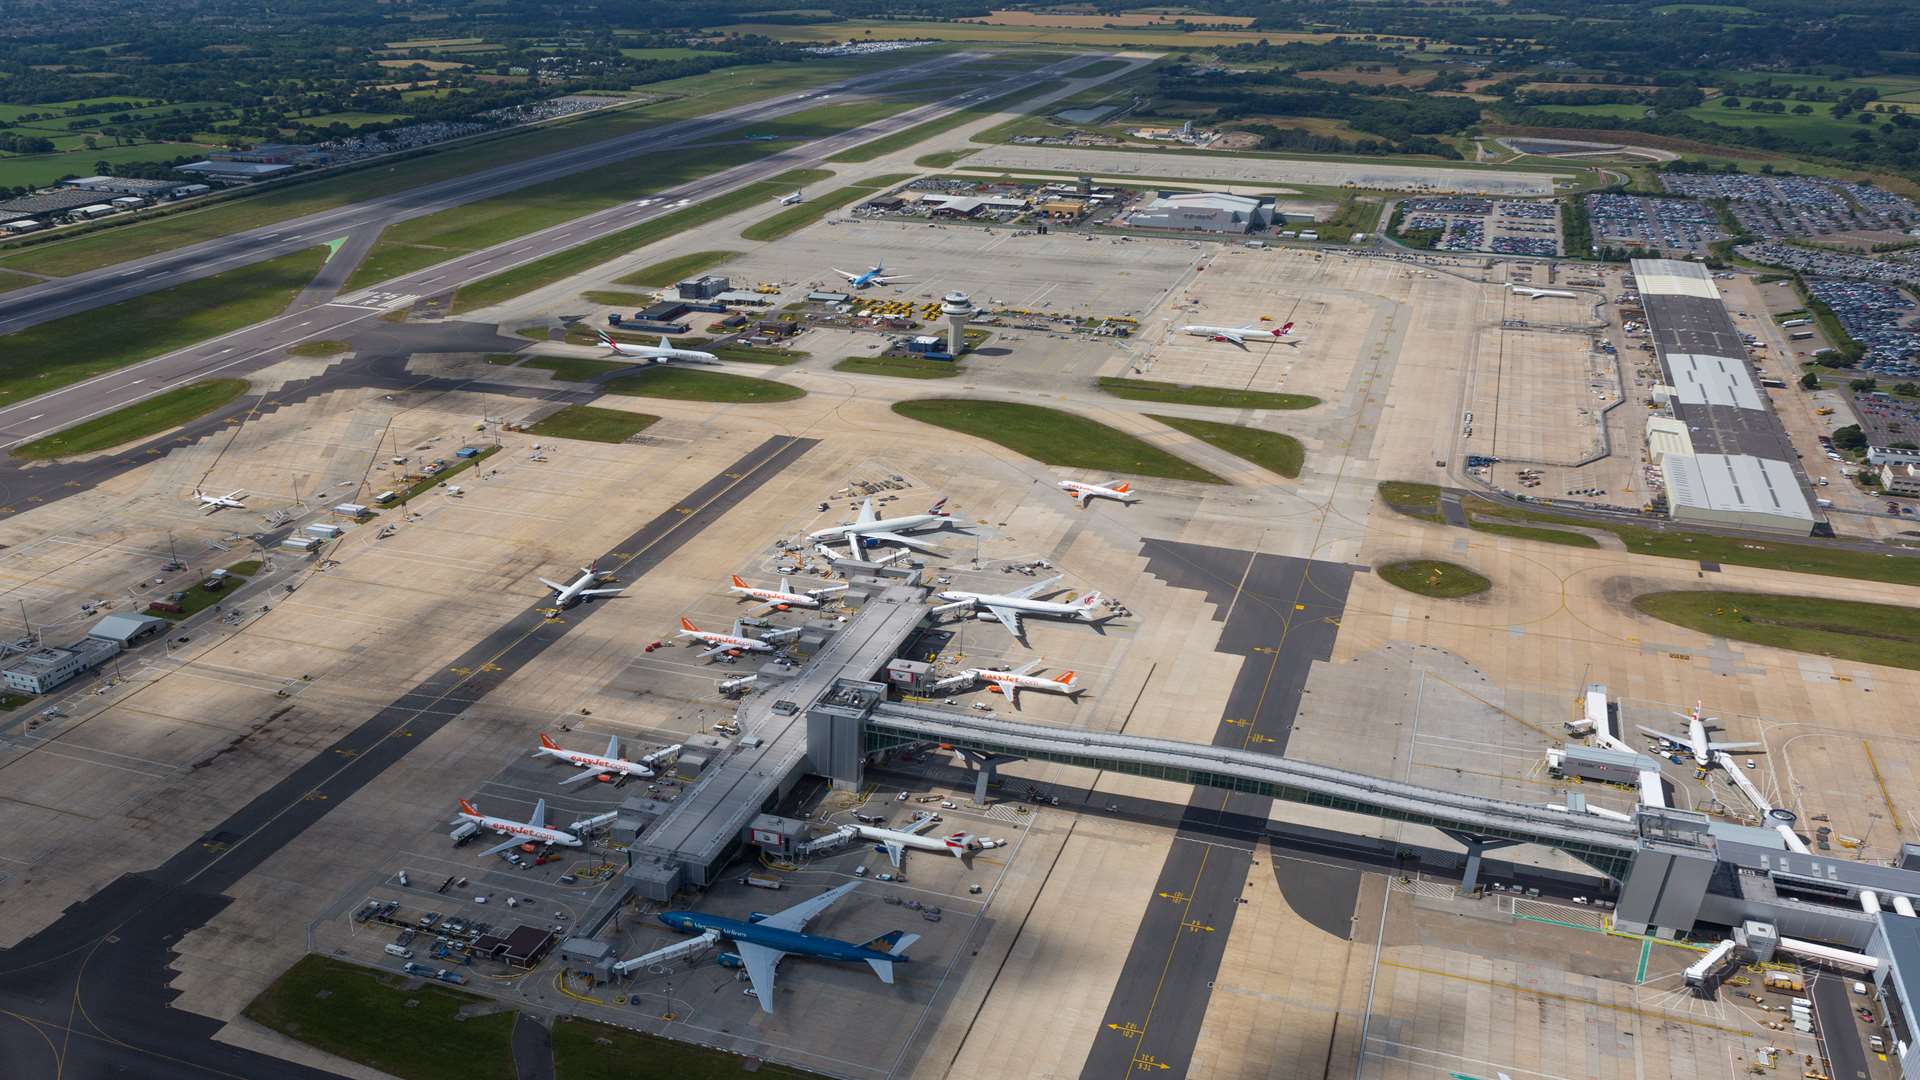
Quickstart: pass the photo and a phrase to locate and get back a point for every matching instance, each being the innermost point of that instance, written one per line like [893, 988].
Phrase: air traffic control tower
[958, 308]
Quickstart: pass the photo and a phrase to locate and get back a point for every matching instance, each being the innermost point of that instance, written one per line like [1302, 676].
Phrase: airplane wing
[503, 845]
[896, 538]
[895, 851]
[921, 825]
[1026, 668]
[584, 774]
[601, 592]
[715, 651]
[844, 274]
[1674, 739]
[796, 917]
[554, 585]
[1008, 617]
[1718, 745]
[1012, 690]
[760, 962]
[1234, 336]
[1037, 587]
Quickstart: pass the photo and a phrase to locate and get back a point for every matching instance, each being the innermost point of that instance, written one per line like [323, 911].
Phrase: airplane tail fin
[687, 625]
[1065, 678]
[939, 507]
[893, 942]
[546, 743]
[1286, 328]
[1089, 604]
[467, 808]
[737, 583]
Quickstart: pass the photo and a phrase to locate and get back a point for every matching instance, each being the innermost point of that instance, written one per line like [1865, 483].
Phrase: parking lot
[1674, 227]
[1879, 317]
[1778, 207]
[1503, 226]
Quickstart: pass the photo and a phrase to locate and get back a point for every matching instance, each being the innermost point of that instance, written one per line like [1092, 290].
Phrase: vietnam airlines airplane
[1282, 334]
[533, 830]
[762, 941]
[877, 275]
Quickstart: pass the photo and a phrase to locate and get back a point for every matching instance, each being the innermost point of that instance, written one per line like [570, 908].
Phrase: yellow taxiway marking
[1128, 1029]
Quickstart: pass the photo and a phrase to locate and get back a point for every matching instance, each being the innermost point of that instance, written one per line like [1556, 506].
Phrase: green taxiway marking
[334, 246]
[1646, 950]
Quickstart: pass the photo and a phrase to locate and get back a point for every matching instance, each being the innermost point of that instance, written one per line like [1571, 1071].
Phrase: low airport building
[48, 669]
[126, 631]
[1204, 211]
[1901, 480]
[1737, 491]
[1666, 435]
[124, 185]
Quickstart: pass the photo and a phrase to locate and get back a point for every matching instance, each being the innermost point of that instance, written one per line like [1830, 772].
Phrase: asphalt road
[1281, 614]
[260, 344]
[1839, 1032]
[88, 996]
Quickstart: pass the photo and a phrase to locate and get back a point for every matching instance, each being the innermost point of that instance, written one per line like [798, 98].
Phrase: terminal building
[48, 669]
[1722, 453]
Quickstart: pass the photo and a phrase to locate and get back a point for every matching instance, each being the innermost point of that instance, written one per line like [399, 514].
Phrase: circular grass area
[1430, 577]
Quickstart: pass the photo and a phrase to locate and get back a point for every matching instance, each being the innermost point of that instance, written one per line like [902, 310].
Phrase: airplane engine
[729, 960]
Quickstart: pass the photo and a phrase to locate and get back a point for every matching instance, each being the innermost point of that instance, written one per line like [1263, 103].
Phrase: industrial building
[124, 185]
[47, 669]
[235, 172]
[50, 202]
[1736, 490]
[126, 631]
[1736, 468]
[1902, 480]
[1204, 211]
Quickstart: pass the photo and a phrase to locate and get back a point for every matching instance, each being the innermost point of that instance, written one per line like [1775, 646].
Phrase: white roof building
[1665, 435]
[1736, 490]
[1674, 277]
[1713, 380]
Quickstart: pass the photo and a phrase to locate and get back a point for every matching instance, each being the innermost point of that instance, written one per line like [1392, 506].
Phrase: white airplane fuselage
[659, 354]
[1079, 609]
[538, 834]
[958, 846]
[565, 596]
[1082, 492]
[1240, 335]
[596, 761]
[1008, 681]
[911, 521]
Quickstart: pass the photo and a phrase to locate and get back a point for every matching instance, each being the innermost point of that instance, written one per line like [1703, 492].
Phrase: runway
[254, 346]
[88, 996]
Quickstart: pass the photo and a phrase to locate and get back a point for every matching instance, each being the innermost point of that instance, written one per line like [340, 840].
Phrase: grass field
[65, 351]
[423, 241]
[575, 368]
[199, 598]
[1846, 630]
[428, 483]
[944, 159]
[752, 354]
[919, 133]
[1279, 454]
[1624, 112]
[616, 298]
[585, 1050]
[564, 264]
[1531, 532]
[136, 421]
[39, 170]
[680, 98]
[1053, 437]
[1814, 131]
[794, 218]
[1097, 68]
[593, 425]
[900, 367]
[319, 348]
[1175, 394]
[10, 280]
[1428, 577]
[364, 1016]
[686, 384]
[668, 271]
[1422, 501]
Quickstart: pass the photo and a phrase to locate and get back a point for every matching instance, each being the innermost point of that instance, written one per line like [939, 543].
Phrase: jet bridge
[1479, 823]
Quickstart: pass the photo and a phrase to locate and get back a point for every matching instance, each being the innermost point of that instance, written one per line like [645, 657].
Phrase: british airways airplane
[760, 943]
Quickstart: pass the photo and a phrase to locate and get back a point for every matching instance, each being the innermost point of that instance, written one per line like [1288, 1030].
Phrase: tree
[1810, 381]
[1849, 438]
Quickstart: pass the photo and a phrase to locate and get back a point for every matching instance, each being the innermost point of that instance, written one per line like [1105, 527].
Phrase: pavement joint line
[1649, 1015]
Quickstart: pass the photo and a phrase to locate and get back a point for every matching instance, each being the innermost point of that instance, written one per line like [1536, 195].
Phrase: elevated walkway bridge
[1479, 823]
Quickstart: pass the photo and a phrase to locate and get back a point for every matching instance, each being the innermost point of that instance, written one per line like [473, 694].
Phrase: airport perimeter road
[89, 996]
[95, 288]
[255, 346]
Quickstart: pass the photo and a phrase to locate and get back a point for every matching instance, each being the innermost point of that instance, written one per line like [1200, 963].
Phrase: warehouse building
[1736, 490]
[126, 631]
[47, 669]
[1204, 211]
[235, 172]
[124, 185]
[49, 202]
[1737, 465]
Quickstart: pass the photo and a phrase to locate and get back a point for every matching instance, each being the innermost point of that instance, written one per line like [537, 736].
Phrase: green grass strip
[900, 140]
[199, 598]
[70, 350]
[679, 268]
[376, 1019]
[1279, 454]
[900, 367]
[428, 483]
[1176, 394]
[593, 425]
[136, 421]
[564, 264]
[688, 384]
[1843, 629]
[1053, 437]
[794, 218]
[585, 1050]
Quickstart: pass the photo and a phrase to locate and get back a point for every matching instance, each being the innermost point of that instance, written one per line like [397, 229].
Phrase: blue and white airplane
[764, 940]
[877, 275]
